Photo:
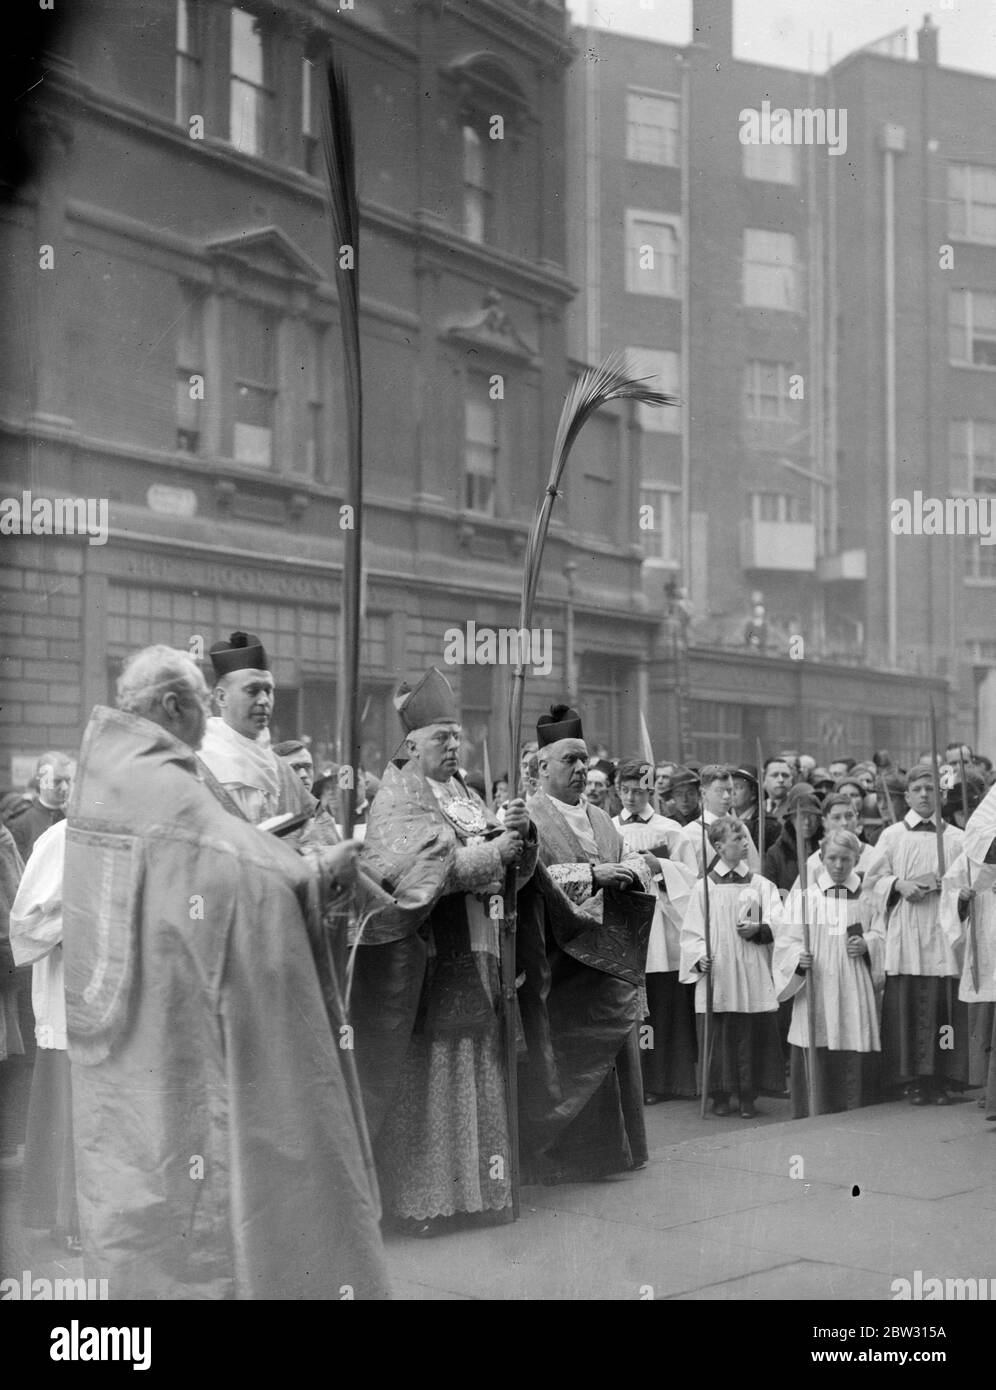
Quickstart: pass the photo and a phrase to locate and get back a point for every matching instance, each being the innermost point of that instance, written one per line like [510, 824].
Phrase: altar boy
[744, 911]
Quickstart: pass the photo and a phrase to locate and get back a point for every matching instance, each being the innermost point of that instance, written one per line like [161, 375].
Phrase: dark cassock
[582, 944]
[426, 992]
[221, 1150]
[259, 783]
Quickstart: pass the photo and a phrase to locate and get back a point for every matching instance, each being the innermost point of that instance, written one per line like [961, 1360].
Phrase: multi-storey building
[176, 352]
[773, 284]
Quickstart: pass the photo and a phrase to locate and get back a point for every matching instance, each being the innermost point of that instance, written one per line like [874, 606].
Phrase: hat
[603, 765]
[561, 722]
[288, 747]
[242, 652]
[682, 777]
[820, 777]
[921, 770]
[746, 773]
[431, 701]
[801, 797]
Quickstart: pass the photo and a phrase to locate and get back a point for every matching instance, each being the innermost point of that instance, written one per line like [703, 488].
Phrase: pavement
[834, 1208]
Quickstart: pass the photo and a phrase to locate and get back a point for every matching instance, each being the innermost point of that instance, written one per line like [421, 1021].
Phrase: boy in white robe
[745, 1054]
[716, 788]
[924, 1028]
[840, 971]
[668, 1049]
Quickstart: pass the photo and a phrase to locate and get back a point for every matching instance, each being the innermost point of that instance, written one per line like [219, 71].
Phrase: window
[255, 385]
[663, 367]
[771, 163]
[249, 98]
[972, 328]
[309, 134]
[652, 129]
[972, 202]
[316, 461]
[189, 372]
[973, 452]
[766, 390]
[476, 185]
[717, 730]
[188, 63]
[779, 506]
[480, 448]
[771, 271]
[653, 253]
[973, 471]
[661, 539]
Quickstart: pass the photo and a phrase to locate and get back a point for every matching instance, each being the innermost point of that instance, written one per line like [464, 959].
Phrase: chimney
[712, 25]
[926, 42]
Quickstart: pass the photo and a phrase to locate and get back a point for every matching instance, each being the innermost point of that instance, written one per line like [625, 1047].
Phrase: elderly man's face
[436, 748]
[245, 701]
[563, 770]
[54, 780]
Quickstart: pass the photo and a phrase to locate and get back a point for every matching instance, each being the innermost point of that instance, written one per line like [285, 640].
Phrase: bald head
[165, 686]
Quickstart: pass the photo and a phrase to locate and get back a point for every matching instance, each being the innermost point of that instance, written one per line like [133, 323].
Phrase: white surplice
[844, 986]
[741, 969]
[674, 883]
[981, 877]
[914, 941]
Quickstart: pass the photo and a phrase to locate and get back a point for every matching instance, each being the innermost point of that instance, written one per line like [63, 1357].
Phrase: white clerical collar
[626, 819]
[724, 870]
[912, 820]
[852, 883]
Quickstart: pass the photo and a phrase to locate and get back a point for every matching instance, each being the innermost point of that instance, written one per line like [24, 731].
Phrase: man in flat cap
[426, 992]
[584, 928]
[236, 750]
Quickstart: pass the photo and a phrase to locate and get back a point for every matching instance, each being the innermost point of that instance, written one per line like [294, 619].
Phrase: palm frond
[612, 380]
[596, 386]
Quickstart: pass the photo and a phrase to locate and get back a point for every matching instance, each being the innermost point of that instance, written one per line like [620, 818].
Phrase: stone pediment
[490, 330]
[268, 251]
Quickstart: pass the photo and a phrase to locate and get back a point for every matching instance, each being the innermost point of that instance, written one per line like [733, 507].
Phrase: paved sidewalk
[881, 1192]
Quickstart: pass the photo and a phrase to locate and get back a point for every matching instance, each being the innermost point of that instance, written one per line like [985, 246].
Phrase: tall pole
[889, 270]
[340, 166]
[707, 1029]
[973, 942]
[812, 1084]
